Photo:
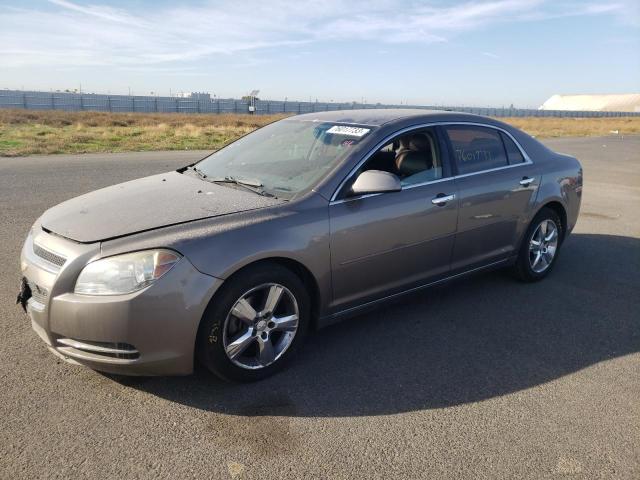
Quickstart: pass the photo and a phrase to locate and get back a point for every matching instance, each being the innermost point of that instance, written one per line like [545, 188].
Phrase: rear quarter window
[476, 148]
[513, 152]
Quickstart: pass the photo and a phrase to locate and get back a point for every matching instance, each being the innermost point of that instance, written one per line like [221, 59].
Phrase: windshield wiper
[254, 186]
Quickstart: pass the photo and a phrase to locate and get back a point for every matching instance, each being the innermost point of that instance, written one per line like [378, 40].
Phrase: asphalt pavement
[483, 378]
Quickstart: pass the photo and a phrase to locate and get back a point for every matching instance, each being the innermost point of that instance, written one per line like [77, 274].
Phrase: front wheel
[254, 324]
[540, 247]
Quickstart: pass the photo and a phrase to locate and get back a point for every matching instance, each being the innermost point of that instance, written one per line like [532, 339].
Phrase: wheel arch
[295, 266]
[560, 210]
[308, 279]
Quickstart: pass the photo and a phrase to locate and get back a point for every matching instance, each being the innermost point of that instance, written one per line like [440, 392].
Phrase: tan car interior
[413, 158]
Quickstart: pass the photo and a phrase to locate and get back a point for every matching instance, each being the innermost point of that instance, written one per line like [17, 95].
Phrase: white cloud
[71, 34]
[104, 13]
[490, 55]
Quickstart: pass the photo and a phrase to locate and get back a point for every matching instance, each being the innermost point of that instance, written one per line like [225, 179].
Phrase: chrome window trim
[405, 187]
[388, 138]
[492, 169]
[428, 182]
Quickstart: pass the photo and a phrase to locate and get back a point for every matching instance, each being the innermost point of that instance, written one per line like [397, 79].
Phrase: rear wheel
[254, 324]
[540, 247]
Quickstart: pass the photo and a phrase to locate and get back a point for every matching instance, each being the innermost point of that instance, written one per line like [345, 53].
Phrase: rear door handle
[442, 199]
[526, 181]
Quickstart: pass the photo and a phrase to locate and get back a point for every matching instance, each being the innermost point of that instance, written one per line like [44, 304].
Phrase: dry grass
[24, 132]
[542, 127]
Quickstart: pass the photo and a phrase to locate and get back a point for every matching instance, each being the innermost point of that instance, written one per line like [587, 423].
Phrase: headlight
[125, 273]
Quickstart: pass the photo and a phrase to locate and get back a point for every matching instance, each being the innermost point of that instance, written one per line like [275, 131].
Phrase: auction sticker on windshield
[353, 131]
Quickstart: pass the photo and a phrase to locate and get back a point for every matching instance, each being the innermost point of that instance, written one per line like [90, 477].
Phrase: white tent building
[594, 103]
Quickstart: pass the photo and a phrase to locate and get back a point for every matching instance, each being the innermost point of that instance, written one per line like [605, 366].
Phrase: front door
[385, 243]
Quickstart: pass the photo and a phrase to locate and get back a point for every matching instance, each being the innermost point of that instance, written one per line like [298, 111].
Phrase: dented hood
[146, 204]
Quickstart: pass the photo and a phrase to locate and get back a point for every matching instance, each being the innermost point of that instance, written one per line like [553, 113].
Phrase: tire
[526, 269]
[233, 343]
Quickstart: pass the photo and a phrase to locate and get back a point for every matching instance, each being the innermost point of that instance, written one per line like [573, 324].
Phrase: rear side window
[476, 148]
[513, 152]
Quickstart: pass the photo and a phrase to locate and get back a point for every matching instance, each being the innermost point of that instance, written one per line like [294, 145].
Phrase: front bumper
[148, 332]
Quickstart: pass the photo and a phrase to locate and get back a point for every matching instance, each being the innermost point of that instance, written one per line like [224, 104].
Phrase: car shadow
[466, 341]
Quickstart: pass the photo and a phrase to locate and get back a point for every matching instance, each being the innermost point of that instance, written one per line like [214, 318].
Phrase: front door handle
[526, 181]
[441, 199]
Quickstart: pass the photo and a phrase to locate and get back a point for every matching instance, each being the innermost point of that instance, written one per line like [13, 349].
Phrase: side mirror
[375, 181]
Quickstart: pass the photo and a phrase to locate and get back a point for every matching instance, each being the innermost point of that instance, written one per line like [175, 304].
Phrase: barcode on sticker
[344, 130]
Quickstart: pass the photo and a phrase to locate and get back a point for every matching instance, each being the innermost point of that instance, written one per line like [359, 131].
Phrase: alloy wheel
[260, 326]
[543, 246]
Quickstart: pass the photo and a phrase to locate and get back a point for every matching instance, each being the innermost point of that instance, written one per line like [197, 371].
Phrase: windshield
[285, 157]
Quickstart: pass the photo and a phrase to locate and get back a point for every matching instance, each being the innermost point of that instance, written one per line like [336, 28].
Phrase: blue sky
[483, 53]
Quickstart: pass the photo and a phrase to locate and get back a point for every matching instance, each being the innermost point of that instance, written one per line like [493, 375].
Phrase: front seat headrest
[414, 155]
[414, 162]
[404, 143]
[419, 142]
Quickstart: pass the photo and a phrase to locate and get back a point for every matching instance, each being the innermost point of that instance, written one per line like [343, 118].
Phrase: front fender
[221, 246]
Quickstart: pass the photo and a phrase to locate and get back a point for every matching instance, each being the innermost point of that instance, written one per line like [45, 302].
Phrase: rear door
[496, 184]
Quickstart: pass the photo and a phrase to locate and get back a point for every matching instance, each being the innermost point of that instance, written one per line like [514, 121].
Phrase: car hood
[146, 204]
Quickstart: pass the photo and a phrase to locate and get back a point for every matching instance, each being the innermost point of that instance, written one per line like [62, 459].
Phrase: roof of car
[381, 116]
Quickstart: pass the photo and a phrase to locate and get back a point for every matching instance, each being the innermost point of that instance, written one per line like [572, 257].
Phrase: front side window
[476, 148]
[414, 157]
[285, 157]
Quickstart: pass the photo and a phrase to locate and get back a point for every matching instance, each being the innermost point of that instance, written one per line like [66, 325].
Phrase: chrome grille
[48, 255]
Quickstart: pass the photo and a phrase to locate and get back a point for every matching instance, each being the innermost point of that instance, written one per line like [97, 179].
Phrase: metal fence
[150, 104]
